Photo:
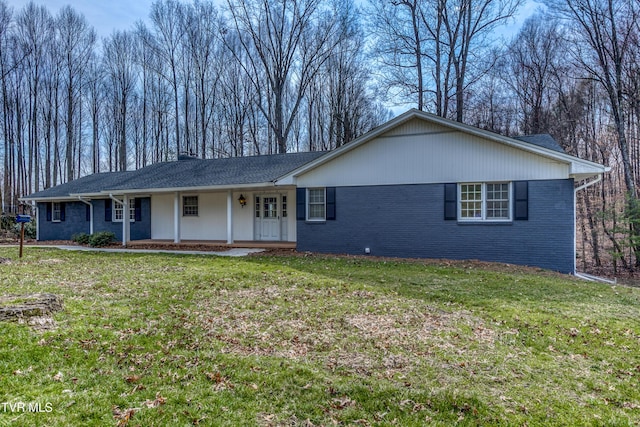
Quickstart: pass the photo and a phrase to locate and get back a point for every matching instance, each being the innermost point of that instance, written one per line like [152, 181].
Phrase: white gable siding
[421, 152]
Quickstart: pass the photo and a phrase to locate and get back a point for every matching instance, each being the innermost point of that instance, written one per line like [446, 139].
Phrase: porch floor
[217, 243]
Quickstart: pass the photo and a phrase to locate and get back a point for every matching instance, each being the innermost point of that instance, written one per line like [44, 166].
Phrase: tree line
[272, 76]
[257, 77]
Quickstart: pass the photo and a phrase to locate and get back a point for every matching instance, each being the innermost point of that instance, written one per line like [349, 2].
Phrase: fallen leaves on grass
[342, 402]
[373, 332]
[221, 383]
[21, 372]
[132, 379]
[159, 400]
[123, 416]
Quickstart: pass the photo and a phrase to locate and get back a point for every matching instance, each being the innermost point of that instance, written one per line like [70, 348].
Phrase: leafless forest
[271, 76]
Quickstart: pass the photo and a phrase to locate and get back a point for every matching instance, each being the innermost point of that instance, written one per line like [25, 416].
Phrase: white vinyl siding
[423, 153]
[484, 201]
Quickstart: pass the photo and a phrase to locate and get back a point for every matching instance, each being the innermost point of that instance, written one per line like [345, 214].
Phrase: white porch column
[230, 217]
[176, 217]
[36, 210]
[126, 221]
[90, 218]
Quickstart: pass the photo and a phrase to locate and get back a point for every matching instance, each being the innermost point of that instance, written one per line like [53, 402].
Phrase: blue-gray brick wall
[139, 229]
[408, 221]
[75, 221]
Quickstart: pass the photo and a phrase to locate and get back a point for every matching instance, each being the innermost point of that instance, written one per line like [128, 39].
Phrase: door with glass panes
[270, 215]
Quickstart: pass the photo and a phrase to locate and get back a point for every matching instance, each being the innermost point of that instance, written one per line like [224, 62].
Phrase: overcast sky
[108, 15]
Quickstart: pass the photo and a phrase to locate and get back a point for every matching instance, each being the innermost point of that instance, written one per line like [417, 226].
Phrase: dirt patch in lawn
[358, 331]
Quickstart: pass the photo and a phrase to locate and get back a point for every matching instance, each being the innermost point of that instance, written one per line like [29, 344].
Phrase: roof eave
[137, 191]
[189, 189]
[68, 198]
[581, 173]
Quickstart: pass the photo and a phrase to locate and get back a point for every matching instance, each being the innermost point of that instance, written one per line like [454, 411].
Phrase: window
[485, 201]
[190, 206]
[284, 206]
[316, 207]
[497, 201]
[471, 201]
[269, 207]
[56, 211]
[118, 213]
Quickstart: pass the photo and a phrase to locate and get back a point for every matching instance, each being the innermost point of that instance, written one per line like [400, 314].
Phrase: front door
[270, 217]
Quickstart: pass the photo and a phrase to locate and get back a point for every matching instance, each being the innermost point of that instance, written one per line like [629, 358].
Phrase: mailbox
[23, 218]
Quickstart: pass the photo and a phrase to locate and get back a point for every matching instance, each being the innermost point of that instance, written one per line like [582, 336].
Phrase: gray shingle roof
[85, 185]
[543, 140]
[208, 173]
[186, 173]
[228, 171]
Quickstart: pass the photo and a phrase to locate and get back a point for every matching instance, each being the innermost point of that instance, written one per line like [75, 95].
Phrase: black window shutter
[521, 200]
[87, 213]
[301, 201]
[138, 209]
[49, 208]
[62, 208]
[331, 203]
[107, 210]
[451, 201]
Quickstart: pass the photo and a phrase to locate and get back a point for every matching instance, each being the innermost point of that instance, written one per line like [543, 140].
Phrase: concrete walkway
[233, 252]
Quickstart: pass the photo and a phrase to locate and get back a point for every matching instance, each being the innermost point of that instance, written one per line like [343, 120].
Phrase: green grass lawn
[178, 340]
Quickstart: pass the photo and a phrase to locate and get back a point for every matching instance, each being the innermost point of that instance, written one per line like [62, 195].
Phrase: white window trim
[484, 203]
[324, 218]
[132, 211]
[53, 212]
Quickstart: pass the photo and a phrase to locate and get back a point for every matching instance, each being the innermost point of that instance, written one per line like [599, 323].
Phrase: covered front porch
[187, 244]
[238, 217]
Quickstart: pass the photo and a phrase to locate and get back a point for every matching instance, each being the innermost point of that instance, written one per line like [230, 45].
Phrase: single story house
[418, 186]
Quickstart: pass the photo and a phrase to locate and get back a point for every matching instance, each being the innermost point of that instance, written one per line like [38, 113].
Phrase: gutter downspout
[86, 202]
[575, 218]
[125, 217]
